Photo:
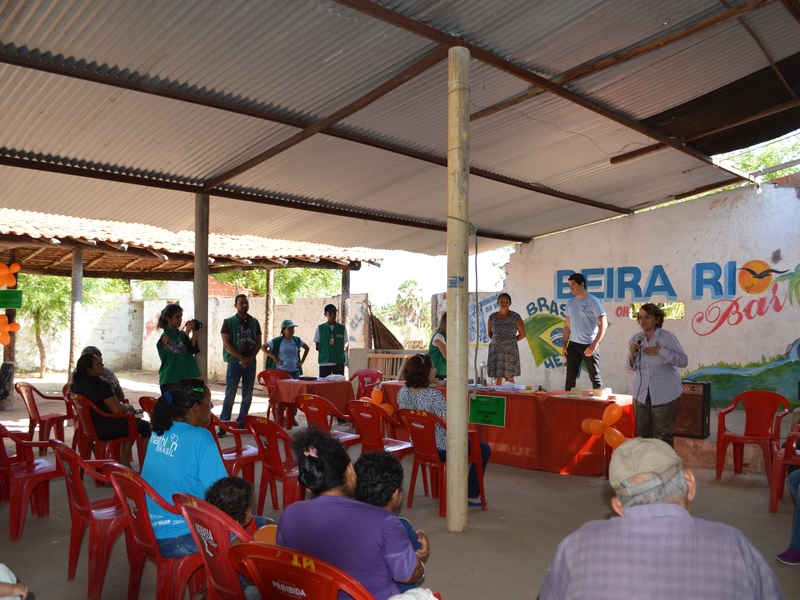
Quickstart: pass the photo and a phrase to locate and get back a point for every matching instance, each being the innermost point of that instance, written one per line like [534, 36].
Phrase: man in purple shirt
[655, 549]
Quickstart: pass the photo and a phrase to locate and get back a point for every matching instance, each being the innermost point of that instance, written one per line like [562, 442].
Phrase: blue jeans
[473, 487]
[248, 378]
[794, 488]
[183, 545]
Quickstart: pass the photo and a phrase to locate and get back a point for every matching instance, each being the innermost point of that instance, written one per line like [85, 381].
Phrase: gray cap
[639, 456]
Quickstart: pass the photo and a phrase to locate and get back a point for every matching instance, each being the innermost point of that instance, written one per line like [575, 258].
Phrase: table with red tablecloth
[337, 393]
[543, 431]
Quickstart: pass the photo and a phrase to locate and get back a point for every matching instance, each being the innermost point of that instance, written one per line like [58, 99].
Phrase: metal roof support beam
[422, 65]
[137, 85]
[273, 200]
[492, 59]
[598, 64]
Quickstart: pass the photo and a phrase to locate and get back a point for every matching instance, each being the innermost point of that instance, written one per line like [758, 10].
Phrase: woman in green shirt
[176, 349]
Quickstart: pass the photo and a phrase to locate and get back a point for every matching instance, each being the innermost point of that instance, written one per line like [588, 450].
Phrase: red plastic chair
[369, 419]
[269, 379]
[106, 519]
[24, 479]
[761, 426]
[51, 424]
[147, 404]
[110, 448]
[80, 442]
[321, 412]
[269, 436]
[241, 457]
[279, 572]
[211, 529]
[790, 455]
[421, 427]
[368, 380]
[172, 574]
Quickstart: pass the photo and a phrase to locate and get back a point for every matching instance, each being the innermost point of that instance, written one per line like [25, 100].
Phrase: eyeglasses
[643, 317]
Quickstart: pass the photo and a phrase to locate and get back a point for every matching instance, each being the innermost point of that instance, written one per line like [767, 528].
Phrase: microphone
[639, 341]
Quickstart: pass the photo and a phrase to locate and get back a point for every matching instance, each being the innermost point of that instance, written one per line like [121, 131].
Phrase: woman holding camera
[176, 348]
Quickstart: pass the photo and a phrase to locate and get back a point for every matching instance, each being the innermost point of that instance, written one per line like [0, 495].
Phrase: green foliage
[289, 283]
[46, 299]
[150, 289]
[409, 317]
[768, 154]
[794, 284]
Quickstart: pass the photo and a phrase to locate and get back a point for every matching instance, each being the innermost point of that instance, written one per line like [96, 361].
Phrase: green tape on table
[487, 410]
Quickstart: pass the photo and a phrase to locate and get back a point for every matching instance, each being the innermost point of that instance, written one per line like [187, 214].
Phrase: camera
[197, 324]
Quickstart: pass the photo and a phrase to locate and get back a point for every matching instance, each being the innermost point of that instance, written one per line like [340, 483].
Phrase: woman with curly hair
[183, 457]
[419, 373]
[368, 542]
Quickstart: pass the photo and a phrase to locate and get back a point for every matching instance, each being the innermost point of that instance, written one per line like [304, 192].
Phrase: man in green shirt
[330, 339]
[241, 341]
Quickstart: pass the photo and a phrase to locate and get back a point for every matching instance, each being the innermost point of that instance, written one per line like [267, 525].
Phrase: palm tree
[794, 284]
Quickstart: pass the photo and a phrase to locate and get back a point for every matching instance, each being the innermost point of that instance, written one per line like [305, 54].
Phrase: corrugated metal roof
[124, 110]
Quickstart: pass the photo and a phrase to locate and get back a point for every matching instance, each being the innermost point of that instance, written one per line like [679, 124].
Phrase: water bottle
[483, 373]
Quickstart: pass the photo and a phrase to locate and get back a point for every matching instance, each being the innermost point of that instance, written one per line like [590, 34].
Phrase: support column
[201, 227]
[76, 307]
[457, 285]
[269, 312]
[345, 317]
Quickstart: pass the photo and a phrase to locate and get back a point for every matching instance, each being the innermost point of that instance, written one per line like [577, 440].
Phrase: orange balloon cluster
[7, 275]
[603, 427]
[5, 328]
[377, 398]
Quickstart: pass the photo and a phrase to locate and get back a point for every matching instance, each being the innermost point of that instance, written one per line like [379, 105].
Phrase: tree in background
[46, 301]
[769, 154]
[289, 283]
[409, 317]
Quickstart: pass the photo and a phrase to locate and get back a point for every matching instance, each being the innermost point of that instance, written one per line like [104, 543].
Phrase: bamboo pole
[457, 285]
[201, 228]
[76, 307]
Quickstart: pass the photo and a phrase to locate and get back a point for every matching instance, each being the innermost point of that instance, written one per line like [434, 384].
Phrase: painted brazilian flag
[545, 333]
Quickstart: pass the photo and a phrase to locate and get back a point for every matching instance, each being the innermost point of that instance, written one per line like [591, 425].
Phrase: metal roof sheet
[124, 110]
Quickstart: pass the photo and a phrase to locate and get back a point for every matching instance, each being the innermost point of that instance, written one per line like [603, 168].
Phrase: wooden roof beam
[426, 62]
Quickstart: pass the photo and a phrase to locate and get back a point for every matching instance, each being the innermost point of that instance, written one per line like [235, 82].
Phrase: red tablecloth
[336, 392]
[543, 431]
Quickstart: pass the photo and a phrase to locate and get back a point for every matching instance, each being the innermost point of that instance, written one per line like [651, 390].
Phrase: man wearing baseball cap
[655, 549]
[329, 339]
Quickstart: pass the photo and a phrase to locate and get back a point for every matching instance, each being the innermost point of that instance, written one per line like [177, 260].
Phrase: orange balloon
[597, 427]
[388, 408]
[14, 267]
[586, 425]
[612, 414]
[5, 339]
[613, 437]
[376, 396]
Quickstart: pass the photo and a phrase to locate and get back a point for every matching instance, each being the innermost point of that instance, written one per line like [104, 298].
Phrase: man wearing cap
[329, 340]
[655, 549]
[283, 352]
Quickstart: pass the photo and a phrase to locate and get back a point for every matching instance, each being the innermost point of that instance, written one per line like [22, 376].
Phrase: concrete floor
[503, 553]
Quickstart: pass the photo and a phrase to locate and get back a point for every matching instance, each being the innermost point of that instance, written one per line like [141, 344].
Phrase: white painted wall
[728, 228]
